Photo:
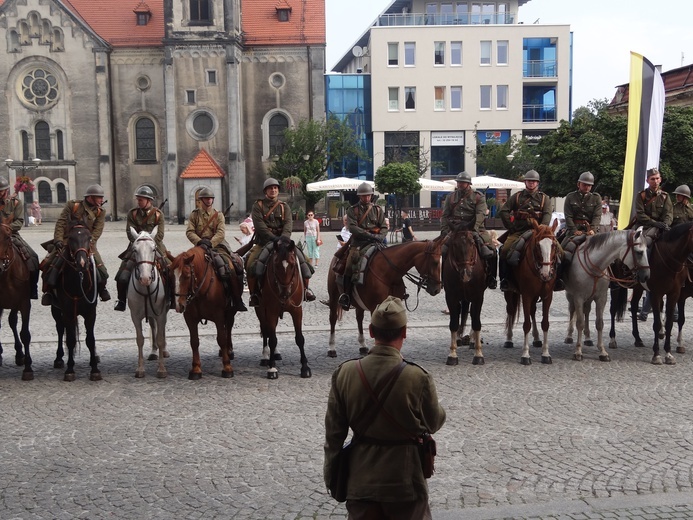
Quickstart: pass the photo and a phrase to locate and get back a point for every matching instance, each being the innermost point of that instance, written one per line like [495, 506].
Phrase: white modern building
[444, 72]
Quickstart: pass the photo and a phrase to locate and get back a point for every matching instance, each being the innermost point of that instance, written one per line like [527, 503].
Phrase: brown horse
[282, 291]
[384, 277]
[200, 296]
[464, 280]
[534, 277]
[15, 282]
[686, 292]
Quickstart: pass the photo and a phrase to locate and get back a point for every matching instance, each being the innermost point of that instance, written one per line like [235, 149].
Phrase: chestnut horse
[200, 296]
[15, 282]
[464, 280]
[282, 291]
[384, 277]
[77, 295]
[534, 277]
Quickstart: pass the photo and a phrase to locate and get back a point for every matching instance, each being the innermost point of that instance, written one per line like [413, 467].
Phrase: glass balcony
[395, 20]
[538, 113]
[539, 69]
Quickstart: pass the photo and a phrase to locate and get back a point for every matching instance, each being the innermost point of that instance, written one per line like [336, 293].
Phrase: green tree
[508, 160]
[311, 148]
[400, 179]
[676, 162]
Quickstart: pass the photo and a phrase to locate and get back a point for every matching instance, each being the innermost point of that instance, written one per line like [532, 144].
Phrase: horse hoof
[452, 361]
[139, 374]
[639, 344]
[465, 339]
[69, 377]
[19, 360]
[161, 375]
[363, 351]
[152, 357]
[546, 360]
[656, 360]
[277, 356]
[613, 344]
[166, 354]
[28, 375]
[194, 376]
[669, 361]
[58, 363]
[680, 350]
[226, 374]
[272, 375]
[508, 344]
[95, 376]
[478, 360]
[577, 357]
[332, 353]
[306, 373]
[264, 362]
[568, 340]
[537, 344]
[604, 358]
[525, 361]
[589, 343]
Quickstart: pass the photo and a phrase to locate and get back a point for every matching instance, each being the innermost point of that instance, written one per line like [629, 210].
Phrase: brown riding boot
[308, 295]
[254, 293]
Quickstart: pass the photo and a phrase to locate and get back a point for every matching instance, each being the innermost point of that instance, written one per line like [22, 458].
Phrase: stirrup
[491, 283]
[104, 295]
[308, 295]
[254, 300]
[504, 285]
[119, 306]
[47, 299]
[344, 301]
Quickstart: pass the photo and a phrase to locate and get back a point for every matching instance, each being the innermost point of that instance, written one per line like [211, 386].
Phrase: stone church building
[172, 94]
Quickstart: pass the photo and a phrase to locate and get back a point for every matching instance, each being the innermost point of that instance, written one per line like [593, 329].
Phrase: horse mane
[543, 231]
[602, 239]
[676, 232]
[181, 259]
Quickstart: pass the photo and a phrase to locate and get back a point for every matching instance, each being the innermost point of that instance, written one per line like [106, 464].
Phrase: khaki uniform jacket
[382, 473]
[656, 207]
[467, 207]
[582, 207]
[146, 220]
[93, 217]
[523, 205]
[13, 207]
[269, 224]
[373, 225]
[209, 225]
[683, 212]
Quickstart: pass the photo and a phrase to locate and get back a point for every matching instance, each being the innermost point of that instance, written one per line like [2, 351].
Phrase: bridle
[467, 264]
[148, 295]
[538, 263]
[70, 257]
[195, 288]
[284, 291]
[10, 253]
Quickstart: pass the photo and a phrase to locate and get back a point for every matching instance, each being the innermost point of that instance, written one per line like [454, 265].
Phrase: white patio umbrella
[337, 184]
[494, 183]
[431, 185]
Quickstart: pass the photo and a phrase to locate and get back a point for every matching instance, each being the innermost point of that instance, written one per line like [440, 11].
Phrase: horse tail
[619, 302]
[513, 308]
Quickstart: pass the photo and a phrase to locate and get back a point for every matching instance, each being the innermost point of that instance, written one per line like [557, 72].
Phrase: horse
[686, 292]
[588, 278]
[148, 300]
[384, 277]
[282, 291]
[77, 295]
[534, 277]
[668, 273]
[200, 296]
[464, 280]
[16, 283]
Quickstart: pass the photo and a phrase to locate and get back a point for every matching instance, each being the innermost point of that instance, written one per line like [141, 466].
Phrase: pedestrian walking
[311, 235]
[407, 231]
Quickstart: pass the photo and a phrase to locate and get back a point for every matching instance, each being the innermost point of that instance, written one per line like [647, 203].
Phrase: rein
[466, 264]
[189, 296]
[629, 281]
[10, 254]
[148, 295]
[278, 289]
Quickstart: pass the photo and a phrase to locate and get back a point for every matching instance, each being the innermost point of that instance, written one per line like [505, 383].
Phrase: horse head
[429, 266]
[183, 269]
[78, 244]
[463, 254]
[285, 268]
[637, 259]
[144, 248]
[544, 249]
[6, 249]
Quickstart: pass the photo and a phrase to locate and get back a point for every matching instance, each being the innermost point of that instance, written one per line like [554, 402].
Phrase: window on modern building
[190, 97]
[409, 98]
[278, 123]
[60, 143]
[61, 191]
[485, 52]
[455, 98]
[200, 12]
[145, 140]
[476, 13]
[502, 96]
[45, 194]
[431, 14]
[446, 14]
[488, 12]
[393, 98]
[461, 13]
[42, 136]
[439, 53]
[503, 13]
[456, 54]
[211, 77]
[485, 97]
[25, 145]
[439, 98]
[502, 52]
[399, 146]
[393, 54]
[409, 54]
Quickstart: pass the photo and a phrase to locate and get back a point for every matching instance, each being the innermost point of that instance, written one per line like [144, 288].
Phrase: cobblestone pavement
[570, 440]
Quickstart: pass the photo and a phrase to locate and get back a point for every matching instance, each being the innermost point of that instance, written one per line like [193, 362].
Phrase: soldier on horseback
[529, 203]
[465, 209]
[12, 211]
[682, 212]
[145, 217]
[272, 219]
[89, 211]
[653, 208]
[207, 229]
[367, 225]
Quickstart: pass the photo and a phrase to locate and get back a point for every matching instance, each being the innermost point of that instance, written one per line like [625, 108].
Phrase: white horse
[588, 280]
[147, 300]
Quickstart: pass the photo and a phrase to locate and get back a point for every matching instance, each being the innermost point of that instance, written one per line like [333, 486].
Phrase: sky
[604, 33]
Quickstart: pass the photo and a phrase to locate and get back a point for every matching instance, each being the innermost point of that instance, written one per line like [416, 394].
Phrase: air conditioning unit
[394, 104]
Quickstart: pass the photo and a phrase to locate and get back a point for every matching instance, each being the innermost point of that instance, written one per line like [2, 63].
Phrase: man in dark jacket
[386, 476]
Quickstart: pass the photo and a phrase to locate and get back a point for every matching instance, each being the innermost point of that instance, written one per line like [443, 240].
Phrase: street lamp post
[23, 167]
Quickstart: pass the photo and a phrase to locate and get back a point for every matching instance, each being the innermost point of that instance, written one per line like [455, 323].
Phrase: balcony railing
[540, 69]
[538, 113]
[393, 20]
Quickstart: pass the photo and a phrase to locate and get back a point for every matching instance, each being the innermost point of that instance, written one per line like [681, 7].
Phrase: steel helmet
[94, 191]
[532, 175]
[364, 189]
[463, 177]
[4, 183]
[586, 178]
[205, 193]
[681, 190]
[145, 191]
[270, 182]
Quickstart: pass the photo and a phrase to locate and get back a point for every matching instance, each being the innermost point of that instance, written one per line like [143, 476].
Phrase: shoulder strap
[209, 223]
[273, 208]
[365, 214]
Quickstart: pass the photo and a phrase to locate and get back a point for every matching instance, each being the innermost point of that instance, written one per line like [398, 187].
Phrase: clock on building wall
[39, 88]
